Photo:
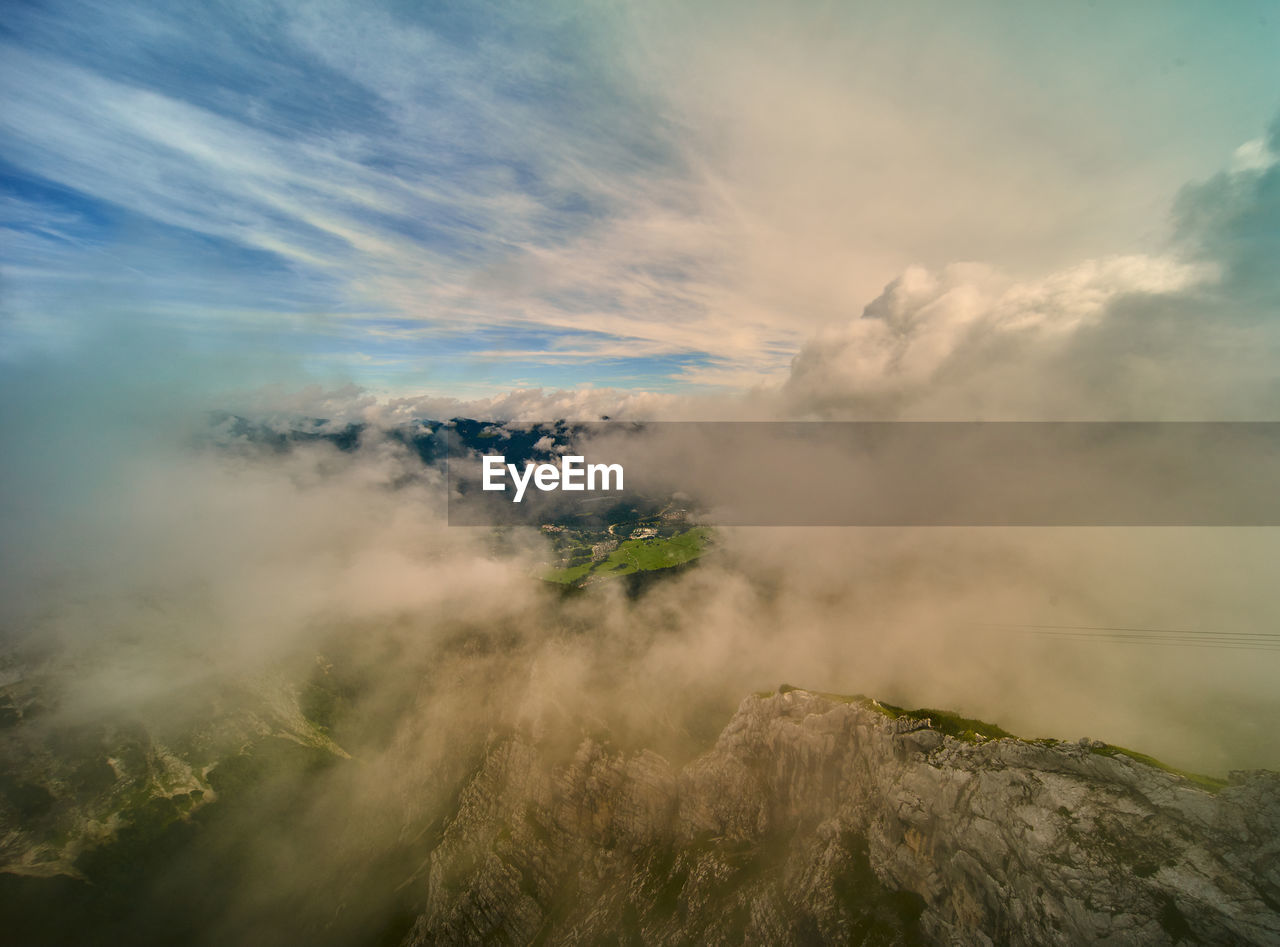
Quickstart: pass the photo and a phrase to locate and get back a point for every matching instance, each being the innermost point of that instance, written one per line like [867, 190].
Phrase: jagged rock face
[814, 820]
[70, 787]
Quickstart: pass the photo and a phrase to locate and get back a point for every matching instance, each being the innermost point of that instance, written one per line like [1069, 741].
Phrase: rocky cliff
[817, 819]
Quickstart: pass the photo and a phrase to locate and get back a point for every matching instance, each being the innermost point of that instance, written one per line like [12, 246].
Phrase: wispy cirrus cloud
[452, 185]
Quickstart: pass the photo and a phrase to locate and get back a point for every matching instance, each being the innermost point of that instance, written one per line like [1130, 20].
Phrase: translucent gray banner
[869, 473]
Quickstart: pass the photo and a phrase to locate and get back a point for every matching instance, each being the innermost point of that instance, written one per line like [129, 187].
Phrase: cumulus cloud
[1231, 218]
[930, 332]
[1135, 337]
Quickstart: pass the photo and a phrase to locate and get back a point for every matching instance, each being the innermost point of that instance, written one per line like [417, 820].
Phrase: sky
[463, 200]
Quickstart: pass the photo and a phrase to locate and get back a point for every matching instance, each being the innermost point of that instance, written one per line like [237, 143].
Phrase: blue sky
[468, 198]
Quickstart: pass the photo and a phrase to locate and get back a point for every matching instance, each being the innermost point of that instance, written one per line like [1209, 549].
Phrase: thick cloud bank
[1181, 337]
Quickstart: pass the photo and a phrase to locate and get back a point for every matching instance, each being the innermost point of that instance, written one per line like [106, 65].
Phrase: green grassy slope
[638, 555]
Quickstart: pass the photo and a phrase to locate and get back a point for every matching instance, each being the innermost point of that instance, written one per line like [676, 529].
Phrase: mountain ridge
[823, 820]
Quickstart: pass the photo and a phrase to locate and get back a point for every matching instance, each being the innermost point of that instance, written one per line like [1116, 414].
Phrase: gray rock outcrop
[824, 820]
